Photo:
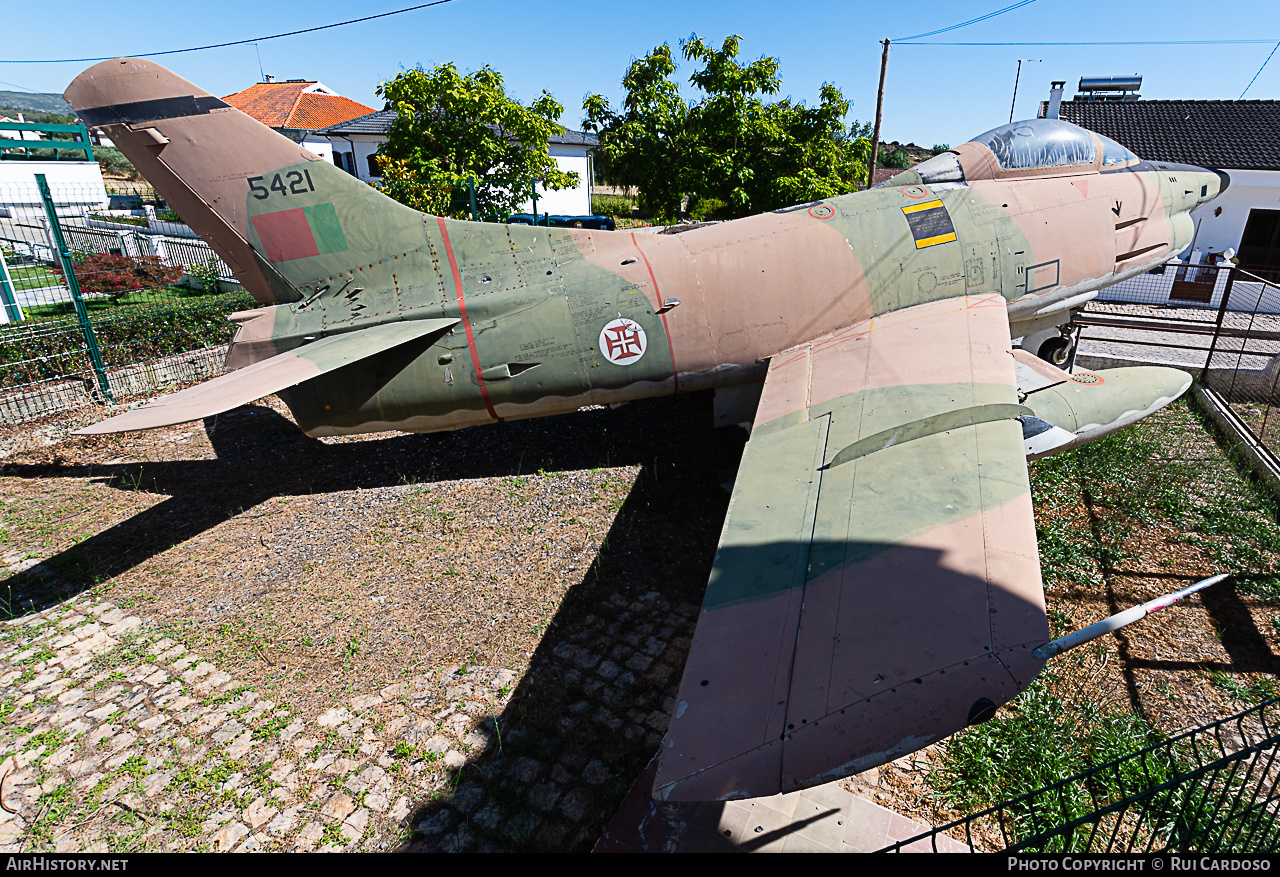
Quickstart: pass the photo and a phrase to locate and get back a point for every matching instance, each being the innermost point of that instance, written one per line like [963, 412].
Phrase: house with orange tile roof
[298, 108]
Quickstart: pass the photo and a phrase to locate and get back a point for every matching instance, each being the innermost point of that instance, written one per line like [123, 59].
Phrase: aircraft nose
[1224, 180]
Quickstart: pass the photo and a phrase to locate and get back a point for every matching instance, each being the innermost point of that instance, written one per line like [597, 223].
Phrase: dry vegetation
[317, 570]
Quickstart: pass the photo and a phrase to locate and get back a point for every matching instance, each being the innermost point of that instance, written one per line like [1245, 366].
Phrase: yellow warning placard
[930, 223]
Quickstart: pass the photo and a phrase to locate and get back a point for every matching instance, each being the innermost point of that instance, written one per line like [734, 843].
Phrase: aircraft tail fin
[277, 214]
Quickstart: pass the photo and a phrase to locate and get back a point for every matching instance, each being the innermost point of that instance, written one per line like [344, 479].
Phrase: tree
[731, 151]
[898, 159]
[451, 128]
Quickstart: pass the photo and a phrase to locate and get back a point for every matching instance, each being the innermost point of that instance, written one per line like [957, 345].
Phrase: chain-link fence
[1218, 322]
[1212, 789]
[103, 295]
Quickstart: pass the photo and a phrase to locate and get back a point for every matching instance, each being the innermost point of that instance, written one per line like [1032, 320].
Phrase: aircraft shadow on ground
[260, 455]
[578, 733]
[662, 542]
[1241, 640]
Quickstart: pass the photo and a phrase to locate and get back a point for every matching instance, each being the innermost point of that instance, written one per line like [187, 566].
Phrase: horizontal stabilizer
[269, 376]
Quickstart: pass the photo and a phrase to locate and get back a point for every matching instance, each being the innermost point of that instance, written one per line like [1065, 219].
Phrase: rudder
[213, 164]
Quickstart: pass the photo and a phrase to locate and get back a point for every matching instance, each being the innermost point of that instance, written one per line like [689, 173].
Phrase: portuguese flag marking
[299, 233]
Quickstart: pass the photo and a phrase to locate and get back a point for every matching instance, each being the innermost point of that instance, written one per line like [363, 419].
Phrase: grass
[1244, 689]
[1055, 730]
[1151, 497]
[103, 305]
[45, 276]
[1092, 502]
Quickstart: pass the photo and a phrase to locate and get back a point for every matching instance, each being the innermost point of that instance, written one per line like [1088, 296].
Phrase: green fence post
[471, 184]
[533, 184]
[6, 292]
[68, 271]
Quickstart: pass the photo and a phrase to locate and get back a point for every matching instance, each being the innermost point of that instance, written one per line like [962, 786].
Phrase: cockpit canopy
[1036, 147]
[1049, 143]
[1039, 143]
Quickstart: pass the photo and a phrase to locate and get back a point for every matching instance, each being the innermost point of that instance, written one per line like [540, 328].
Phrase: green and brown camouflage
[877, 585]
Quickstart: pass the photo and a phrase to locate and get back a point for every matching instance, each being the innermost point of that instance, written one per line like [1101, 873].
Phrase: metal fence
[1218, 322]
[102, 298]
[1212, 789]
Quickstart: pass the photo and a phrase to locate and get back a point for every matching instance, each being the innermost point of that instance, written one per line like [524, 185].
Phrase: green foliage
[611, 205]
[33, 103]
[732, 146]
[137, 328]
[140, 221]
[450, 128]
[709, 208]
[115, 163]
[897, 159]
[207, 274]
[40, 118]
[939, 148]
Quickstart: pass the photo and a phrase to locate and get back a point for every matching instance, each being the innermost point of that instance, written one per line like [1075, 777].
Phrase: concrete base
[824, 819]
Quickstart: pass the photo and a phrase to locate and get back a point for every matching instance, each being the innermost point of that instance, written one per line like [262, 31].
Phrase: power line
[1259, 73]
[1111, 43]
[970, 21]
[292, 33]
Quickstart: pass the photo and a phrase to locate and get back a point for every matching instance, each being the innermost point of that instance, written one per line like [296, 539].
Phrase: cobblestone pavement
[115, 736]
[127, 741]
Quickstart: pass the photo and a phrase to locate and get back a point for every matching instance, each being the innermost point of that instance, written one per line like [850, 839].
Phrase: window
[372, 161]
[1260, 243]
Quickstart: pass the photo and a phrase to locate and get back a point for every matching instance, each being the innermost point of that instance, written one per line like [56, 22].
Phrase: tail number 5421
[292, 183]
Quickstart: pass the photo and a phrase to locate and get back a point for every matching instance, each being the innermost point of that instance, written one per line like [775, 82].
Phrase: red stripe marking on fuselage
[675, 375]
[466, 321]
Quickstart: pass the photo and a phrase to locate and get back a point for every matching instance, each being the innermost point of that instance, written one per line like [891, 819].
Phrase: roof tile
[290, 105]
[1210, 133]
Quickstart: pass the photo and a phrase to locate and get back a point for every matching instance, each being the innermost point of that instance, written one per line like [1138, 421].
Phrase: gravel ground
[479, 632]
[232, 636]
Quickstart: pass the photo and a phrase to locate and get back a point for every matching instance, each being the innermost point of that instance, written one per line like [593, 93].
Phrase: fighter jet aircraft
[877, 585]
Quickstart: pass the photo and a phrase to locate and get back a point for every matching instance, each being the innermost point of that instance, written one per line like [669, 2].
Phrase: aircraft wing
[877, 584]
[268, 376]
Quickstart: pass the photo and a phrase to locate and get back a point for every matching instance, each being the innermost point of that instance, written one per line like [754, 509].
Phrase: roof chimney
[1055, 98]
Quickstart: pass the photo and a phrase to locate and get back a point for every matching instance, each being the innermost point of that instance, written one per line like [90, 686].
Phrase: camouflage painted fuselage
[710, 304]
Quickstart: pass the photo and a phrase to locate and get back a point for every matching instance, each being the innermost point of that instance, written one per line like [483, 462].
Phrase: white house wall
[320, 146]
[1248, 190]
[566, 202]
[77, 186]
[361, 146]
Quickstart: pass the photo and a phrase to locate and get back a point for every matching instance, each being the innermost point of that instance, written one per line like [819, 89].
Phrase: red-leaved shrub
[116, 275]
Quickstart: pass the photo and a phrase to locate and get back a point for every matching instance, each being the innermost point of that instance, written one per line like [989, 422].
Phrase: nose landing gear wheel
[1056, 351]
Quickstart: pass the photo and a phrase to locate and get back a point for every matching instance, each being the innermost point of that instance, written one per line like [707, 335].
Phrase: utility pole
[875, 135]
[1015, 83]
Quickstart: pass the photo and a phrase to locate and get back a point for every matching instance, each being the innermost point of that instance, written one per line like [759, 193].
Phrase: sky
[933, 94]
